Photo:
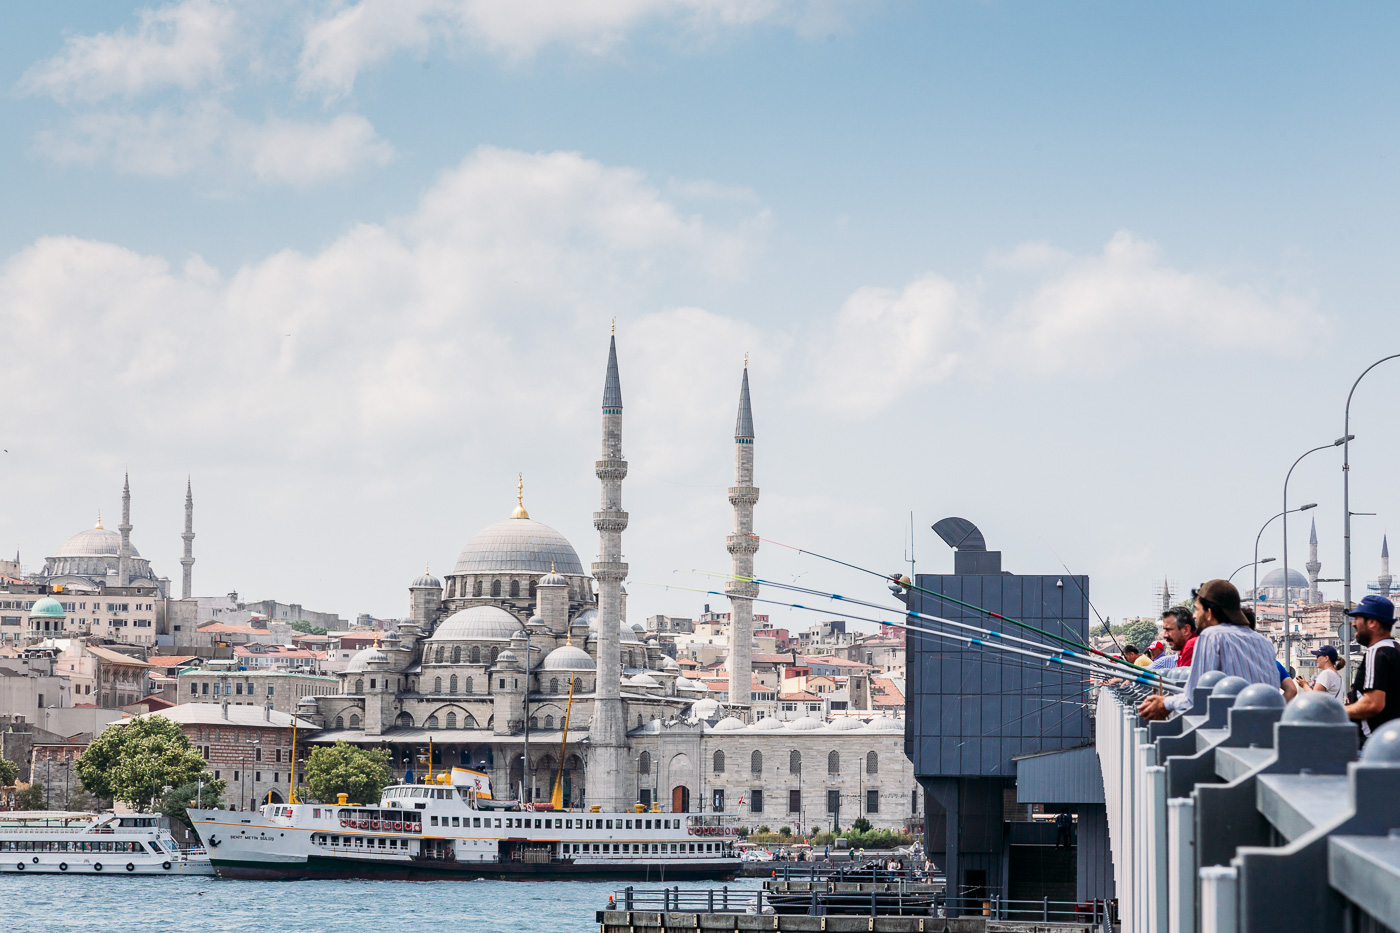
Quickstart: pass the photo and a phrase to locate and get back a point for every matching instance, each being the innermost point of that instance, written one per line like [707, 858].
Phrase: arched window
[468, 687]
[476, 590]
[549, 722]
[495, 652]
[515, 589]
[454, 684]
[404, 721]
[437, 684]
[340, 722]
[456, 654]
[441, 653]
[451, 720]
[532, 589]
[430, 723]
[639, 720]
[476, 654]
[795, 762]
[354, 721]
[644, 763]
[719, 762]
[534, 722]
[833, 763]
[872, 763]
[359, 685]
[756, 763]
[554, 685]
[495, 587]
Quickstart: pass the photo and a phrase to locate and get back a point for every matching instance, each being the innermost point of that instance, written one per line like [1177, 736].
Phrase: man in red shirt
[1179, 629]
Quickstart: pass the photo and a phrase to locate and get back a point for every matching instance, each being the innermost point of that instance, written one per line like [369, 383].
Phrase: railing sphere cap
[1383, 747]
[1229, 687]
[1314, 708]
[1259, 696]
[1210, 679]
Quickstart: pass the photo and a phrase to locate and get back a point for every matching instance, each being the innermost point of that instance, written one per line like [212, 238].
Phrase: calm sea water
[212, 905]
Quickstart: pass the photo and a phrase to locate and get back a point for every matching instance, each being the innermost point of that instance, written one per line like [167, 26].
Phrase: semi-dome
[727, 724]
[46, 608]
[477, 623]
[518, 545]
[626, 635]
[1275, 578]
[805, 724]
[567, 658]
[94, 542]
[685, 683]
[361, 660]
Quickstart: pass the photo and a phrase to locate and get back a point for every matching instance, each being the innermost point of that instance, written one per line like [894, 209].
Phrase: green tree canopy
[9, 772]
[179, 799]
[306, 628]
[136, 761]
[31, 798]
[361, 774]
[1139, 634]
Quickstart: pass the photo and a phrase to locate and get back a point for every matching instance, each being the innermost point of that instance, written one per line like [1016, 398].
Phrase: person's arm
[1290, 689]
[1203, 658]
[1371, 703]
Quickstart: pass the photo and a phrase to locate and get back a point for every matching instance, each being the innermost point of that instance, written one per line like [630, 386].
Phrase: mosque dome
[805, 724]
[767, 724]
[669, 664]
[885, 724]
[554, 578]
[477, 623]
[1275, 578]
[567, 658]
[705, 709]
[685, 683]
[93, 542]
[846, 723]
[626, 634]
[727, 724]
[507, 658]
[361, 660]
[644, 680]
[46, 608]
[518, 545]
[427, 581]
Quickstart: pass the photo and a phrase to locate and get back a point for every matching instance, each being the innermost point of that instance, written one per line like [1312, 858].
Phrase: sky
[1090, 275]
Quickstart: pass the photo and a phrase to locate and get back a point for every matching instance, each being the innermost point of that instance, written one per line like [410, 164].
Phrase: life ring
[96, 866]
[165, 865]
[344, 824]
[19, 866]
[398, 826]
[62, 866]
[373, 824]
[35, 860]
[364, 824]
[130, 866]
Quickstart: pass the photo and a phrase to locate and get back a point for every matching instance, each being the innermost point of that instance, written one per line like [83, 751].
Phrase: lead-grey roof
[743, 428]
[518, 545]
[612, 385]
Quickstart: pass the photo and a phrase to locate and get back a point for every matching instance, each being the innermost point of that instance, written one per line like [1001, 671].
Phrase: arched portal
[680, 799]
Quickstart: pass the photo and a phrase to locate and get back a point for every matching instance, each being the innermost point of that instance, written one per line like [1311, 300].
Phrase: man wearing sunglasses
[1225, 643]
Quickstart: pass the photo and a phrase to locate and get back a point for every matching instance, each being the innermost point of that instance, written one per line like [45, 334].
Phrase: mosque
[521, 662]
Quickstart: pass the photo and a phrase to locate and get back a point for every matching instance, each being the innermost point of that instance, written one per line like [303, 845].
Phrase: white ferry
[93, 844]
[453, 829]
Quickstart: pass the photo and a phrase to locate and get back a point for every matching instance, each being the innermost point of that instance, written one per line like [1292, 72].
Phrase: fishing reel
[899, 584]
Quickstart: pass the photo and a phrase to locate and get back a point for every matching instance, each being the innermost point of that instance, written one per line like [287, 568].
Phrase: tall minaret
[186, 585]
[124, 552]
[1313, 567]
[1383, 581]
[742, 545]
[607, 767]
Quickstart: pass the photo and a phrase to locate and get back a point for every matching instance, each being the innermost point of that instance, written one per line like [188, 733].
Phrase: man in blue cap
[1375, 693]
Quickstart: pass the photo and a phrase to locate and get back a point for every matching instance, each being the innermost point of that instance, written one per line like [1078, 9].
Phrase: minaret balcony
[741, 589]
[741, 544]
[609, 570]
[743, 495]
[613, 521]
[611, 469]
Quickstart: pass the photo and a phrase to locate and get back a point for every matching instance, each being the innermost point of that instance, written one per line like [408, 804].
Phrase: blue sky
[1091, 275]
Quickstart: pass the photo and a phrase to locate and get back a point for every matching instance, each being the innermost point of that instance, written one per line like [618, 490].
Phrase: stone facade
[742, 545]
[285, 689]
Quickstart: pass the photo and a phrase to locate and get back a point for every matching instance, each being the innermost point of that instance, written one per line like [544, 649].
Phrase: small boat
[57, 843]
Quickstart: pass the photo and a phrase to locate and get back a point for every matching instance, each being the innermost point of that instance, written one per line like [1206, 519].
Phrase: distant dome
[46, 608]
[477, 623]
[727, 724]
[554, 579]
[94, 542]
[518, 545]
[767, 724]
[885, 724]
[506, 658]
[625, 636]
[846, 723]
[644, 680]
[1275, 578]
[361, 660]
[669, 664]
[427, 581]
[705, 709]
[805, 724]
[685, 683]
[567, 658]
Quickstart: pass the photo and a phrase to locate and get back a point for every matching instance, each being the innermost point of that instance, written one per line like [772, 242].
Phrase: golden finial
[746, 360]
[99, 519]
[427, 568]
[520, 499]
[614, 327]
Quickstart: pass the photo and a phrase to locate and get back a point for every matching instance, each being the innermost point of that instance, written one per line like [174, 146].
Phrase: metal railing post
[1045, 909]
[627, 896]
[726, 898]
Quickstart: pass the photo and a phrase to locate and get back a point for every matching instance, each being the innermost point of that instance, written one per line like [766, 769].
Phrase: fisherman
[1375, 692]
[1131, 654]
[1154, 651]
[1226, 644]
[1179, 629]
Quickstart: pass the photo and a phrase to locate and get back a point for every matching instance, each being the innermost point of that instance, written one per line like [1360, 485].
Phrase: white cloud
[305, 153]
[181, 46]
[341, 45]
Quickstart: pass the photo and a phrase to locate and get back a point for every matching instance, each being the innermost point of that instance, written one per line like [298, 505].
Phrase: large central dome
[94, 542]
[518, 545]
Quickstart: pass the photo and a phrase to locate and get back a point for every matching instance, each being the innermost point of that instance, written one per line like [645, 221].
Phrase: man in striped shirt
[1226, 643]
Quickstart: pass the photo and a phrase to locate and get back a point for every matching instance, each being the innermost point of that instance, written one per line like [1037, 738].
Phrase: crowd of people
[1218, 634]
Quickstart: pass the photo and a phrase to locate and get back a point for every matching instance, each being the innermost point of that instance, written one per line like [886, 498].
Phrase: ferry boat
[452, 828]
[47, 843]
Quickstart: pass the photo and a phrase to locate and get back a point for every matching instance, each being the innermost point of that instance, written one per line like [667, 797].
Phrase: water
[213, 905]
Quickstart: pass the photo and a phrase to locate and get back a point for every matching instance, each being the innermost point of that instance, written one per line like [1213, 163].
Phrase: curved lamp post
[1253, 563]
[1346, 503]
[1254, 594]
[1287, 601]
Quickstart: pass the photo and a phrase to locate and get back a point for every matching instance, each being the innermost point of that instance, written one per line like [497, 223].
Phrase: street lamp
[1346, 503]
[1253, 563]
[1287, 602]
[1254, 595]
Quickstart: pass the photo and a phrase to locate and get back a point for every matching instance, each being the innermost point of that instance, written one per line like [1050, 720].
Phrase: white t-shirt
[1330, 680]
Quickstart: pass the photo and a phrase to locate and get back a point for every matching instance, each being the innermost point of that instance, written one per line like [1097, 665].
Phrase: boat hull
[336, 867]
[114, 865]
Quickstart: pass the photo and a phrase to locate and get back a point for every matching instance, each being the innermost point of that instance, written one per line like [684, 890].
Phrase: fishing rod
[911, 586]
[1107, 630]
[1138, 677]
[1118, 667]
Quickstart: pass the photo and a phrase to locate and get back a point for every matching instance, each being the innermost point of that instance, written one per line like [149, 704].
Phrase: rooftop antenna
[909, 552]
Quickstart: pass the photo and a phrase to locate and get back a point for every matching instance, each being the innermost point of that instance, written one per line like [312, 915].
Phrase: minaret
[608, 767]
[1313, 567]
[742, 545]
[1383, 581]
[186, 584]
[124, 553]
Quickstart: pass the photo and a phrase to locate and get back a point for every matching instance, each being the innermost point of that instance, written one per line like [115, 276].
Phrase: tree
[179, 799]
[1139, 634]
[9, 773]
[306, 628]
[31, 798]
[861, 825]
[361, 774]
[136, 761]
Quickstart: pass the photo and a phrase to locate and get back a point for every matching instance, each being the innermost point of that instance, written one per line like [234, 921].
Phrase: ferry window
[538, 824]
[476, 821]
[335, 840]
[434, 821]
[381, 842]
[498, 824]
[456, 821]
[610, 826]
[548, 824]
[568, 824]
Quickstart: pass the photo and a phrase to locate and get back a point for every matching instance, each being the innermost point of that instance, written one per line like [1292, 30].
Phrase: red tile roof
[162, 660]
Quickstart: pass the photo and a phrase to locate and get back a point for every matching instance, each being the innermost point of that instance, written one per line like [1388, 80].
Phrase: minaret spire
[608, 768]
[1313, 567]
[742, 546]
[124, 553]
[1385, 578]
[187, 562]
